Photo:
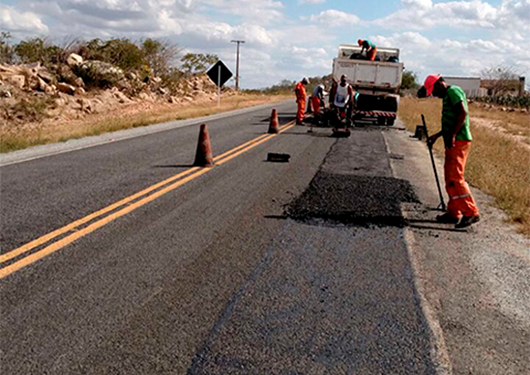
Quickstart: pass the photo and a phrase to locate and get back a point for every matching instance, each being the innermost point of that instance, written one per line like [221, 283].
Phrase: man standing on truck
[457, 139]
[301, 97]
[369, 47]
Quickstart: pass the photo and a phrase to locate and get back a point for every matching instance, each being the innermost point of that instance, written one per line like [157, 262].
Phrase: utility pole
[237, 61]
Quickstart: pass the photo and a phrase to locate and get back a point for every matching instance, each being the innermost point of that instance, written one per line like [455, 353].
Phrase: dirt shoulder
[127, 115]
[475, 281]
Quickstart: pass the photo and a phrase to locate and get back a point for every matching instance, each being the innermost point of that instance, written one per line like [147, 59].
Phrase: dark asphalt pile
[354, 200]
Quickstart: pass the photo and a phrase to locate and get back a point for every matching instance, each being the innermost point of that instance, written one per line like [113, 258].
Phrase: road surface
[328, 264]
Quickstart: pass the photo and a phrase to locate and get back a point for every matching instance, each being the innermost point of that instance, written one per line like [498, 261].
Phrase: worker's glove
[431, 140]
[449, 142]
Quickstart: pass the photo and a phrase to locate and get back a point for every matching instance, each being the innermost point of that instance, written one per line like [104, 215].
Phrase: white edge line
[51, 149]
[439, 353]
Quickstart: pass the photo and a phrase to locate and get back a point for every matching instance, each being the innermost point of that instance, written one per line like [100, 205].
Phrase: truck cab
[377, 82]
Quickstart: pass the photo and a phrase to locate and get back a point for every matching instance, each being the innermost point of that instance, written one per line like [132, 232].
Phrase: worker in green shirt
[461, 209]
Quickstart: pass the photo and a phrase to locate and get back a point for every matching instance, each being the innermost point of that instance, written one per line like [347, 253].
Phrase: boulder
[45, 76]
[5, 93]
[121, 97]
[86, 105]
[41, 85]
[66, 74]
[74, 60]
[79, 91]
[124, 85]
[66, 88]
[131, 76]
[99, 73]
[79, 82]
[59, 102]
[17, 80]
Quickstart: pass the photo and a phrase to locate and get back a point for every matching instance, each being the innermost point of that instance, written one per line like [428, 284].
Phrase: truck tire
[390, 121]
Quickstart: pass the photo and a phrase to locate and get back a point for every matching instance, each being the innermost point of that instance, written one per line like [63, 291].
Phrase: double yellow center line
[116, 210]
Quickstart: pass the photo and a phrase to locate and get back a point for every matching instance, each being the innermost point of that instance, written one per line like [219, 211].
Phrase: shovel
[441, 206]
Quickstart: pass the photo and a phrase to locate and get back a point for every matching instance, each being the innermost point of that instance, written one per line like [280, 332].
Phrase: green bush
[7, 52]
[506, 100]
[39, 50]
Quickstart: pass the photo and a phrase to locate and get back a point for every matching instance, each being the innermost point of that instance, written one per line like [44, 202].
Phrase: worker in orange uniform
[461, 209]
[369, 47]
[301, 97]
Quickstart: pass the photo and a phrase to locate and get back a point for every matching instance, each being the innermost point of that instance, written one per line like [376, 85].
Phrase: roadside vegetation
[500, 156]
[54, 92]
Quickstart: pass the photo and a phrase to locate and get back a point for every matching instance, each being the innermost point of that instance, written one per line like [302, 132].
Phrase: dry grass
[498, 163]
[126, 117]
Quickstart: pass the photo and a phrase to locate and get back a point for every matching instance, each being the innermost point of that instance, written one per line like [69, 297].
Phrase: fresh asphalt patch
[353, 200]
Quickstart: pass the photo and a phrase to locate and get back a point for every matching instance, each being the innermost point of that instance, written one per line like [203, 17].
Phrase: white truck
[377, 82]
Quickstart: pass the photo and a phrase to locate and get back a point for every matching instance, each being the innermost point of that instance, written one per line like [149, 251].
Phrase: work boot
[446, 219]
[467, 221]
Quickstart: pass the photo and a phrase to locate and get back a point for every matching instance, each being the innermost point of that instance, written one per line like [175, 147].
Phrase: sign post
[219, 87]
[219, 74]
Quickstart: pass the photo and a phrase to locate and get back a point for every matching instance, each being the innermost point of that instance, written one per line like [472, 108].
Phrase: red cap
[429, 83]
[360, 42]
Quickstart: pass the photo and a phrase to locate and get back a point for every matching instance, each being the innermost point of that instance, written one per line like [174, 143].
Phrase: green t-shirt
[454, 96]
[367, 44]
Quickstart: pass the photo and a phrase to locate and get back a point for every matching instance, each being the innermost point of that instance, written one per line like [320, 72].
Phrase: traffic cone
[274, 126]
[203, 156]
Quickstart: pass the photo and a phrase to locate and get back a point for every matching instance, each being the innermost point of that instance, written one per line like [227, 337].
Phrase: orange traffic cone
[203, 157]
[274, 126]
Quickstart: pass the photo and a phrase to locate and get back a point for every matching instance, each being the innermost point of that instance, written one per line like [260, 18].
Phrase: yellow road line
[47, 237]
[98, 224]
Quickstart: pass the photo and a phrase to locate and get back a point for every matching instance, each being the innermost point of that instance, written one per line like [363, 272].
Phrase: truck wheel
[381, 121]
[390, 121]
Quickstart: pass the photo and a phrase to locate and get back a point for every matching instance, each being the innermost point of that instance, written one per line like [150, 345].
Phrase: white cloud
[424, 14]
[471, 35]
[13, 20]
[452, 57]
[334, 18]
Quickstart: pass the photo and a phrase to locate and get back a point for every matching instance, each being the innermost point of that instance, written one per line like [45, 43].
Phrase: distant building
[470, 85]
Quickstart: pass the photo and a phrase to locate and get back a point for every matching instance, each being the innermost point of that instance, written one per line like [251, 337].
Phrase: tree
[197, 63]
[408, 80]
[160, 55]
[7, 52]
[499, 80]
[37, 50]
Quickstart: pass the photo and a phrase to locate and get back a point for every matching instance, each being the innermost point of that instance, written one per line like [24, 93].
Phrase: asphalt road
[242, 270]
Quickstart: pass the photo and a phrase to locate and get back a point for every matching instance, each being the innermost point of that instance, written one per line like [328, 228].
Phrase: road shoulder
[41, 151]
[475, 281]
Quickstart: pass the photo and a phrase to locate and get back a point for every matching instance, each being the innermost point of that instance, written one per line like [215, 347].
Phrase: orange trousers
[301, 109]
[316, 105]
[371, 54]
[461, 201]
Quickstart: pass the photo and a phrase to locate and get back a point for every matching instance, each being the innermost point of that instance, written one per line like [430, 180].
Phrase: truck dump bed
[384, 75]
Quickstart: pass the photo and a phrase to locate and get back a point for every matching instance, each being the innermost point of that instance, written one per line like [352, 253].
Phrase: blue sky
[288, 39]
